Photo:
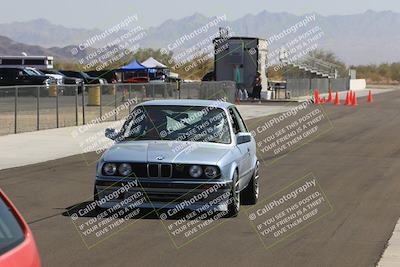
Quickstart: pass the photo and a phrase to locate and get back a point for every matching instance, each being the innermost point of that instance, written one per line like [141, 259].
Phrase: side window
[235, 123]
[240, 120]
[133, 124]
[11, 233]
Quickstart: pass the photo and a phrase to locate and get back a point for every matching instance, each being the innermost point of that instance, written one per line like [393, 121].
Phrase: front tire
[251, 193]
[98, 209]
[234, 199]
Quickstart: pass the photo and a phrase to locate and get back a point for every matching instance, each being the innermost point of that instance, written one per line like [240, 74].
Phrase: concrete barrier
[304, 87]
[358, 84]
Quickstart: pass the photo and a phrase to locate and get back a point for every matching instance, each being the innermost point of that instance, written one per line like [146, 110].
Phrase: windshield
[85, 75]
[177, 123]
[31, 72]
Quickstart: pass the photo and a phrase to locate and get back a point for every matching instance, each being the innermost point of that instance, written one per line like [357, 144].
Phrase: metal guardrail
[33, 108]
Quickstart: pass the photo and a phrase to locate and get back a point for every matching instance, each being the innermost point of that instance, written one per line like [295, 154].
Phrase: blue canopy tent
[134, 69]
[133, 66]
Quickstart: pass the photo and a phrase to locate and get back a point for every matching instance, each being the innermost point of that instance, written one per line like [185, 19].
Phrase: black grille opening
[139, 170]
[153, 170]
[166, 171]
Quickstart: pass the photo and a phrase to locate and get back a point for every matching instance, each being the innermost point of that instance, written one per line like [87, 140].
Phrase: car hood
[55, 76]
[168, 152]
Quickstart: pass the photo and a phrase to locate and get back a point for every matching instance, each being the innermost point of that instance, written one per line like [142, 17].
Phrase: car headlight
[211, 172]
[125, 169]
[110, 168]
[195, 171]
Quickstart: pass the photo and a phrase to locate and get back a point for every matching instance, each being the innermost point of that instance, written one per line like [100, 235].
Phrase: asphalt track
[357, 164]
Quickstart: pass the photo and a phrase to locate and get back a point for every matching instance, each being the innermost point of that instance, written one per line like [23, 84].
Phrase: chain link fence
[33, 108]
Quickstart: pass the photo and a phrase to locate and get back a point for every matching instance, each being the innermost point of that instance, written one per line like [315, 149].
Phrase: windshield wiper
[140, 138]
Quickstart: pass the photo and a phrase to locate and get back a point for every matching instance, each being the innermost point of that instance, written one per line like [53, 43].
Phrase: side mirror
[242, 138]
[111, 133]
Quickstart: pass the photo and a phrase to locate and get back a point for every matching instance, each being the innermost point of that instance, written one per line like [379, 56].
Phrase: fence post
[178, 87]
[129, 96]
[83, 104]
[115, 103]
[15, 109]
[57, 116]
[76, 105]
[37, 109]
[101, 101]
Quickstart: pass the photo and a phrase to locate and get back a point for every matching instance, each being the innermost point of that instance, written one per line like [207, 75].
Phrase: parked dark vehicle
[108, 75]
[85, 77]
[208, 77]
[21, 76]
[25, 77]
[68, 90]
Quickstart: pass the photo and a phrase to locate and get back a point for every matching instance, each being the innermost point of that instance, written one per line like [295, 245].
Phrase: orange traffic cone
[317, 100]
[330, 96]
[323, 101]
[370, 97]
[337, 99]
[350, 97]
[347, 102]
[237, 100]
[354, 103]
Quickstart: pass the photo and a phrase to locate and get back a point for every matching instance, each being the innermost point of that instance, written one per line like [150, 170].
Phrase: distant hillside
[43, 33]
[9, 47]
[370, 37]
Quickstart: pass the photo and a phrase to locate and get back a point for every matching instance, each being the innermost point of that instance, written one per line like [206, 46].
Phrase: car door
[244, 149]
[9, 77]
[250, 147]
[23, 77]
[3, 77]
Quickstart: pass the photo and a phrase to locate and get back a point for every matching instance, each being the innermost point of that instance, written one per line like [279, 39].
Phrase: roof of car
[4, 67]
[187, 102]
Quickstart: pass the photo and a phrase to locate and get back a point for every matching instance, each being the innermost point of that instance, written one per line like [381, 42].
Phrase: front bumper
[164, 194]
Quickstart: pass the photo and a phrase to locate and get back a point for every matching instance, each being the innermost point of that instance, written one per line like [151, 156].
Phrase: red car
[137, 80]
[17, 245]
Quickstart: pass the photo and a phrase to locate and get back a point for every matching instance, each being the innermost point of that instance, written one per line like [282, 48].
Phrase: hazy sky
[105, 13]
